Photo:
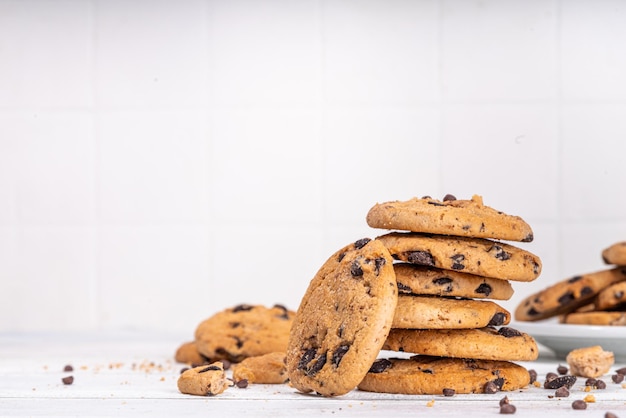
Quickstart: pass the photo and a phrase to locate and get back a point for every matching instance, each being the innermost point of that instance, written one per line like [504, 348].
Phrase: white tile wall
[160, 161]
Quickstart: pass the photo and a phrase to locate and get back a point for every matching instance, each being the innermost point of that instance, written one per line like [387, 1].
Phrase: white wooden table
[135, 375]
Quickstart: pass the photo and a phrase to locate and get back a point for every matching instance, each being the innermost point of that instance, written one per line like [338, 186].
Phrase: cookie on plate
[268, 369]
[481, 343]
[204, 380]
[615, 254]
[431, 312]
[478, 256]
[567, 295]
[427, 375]
[424, 280]
[611, 298]
[468, 218]
[594, 318]
[343, 320]
[244, 331]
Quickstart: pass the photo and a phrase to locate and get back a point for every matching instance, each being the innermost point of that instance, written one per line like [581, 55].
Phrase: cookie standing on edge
[426, 375]
[343, 320]
[468, 218]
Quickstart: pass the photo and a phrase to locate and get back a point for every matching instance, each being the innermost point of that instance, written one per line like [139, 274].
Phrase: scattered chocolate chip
[490, 387]
[339, 353]
[617, 378]
[610, 415]
[590, 382]
[562, 369]
[509, 332]
[355, 269]
[504, 400]
[361, 243]
[242, 384]
[507, 408]
[551, 376]
[600, 384]
[449, 197]
[579, 404]
[621, 371]
[562, 392]
[458, 262]
[533, 375]
[567, 381]
[449, 392]
[497, 319]
[68, 380]
[421, 257]
[209, 368]
[68, 368]
[380, 365]
[483, 289]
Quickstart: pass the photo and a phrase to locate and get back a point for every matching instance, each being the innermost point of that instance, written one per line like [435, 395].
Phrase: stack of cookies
[425, 291]
[597, 298]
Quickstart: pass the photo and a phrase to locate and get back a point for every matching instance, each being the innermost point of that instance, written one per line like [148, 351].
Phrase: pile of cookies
[597, 298]
[422, 291]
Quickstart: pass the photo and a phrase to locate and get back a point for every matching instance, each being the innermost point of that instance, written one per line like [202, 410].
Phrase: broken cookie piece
[590, 361]
[204, 380]
[267, 369]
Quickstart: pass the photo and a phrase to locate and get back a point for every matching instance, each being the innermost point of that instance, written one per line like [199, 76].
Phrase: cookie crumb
[590, 398]
[431, 403]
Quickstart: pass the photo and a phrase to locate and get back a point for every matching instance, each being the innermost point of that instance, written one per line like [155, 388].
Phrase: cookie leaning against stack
[597, 298]
[448, 263]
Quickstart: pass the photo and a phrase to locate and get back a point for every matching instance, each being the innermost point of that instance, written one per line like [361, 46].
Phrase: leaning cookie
[424, 280]
[204, 380]
[567, 295]
[482, 343]
[477, 256]
[615, 254]
[244, 331]
[426, 375]
[430, 312]
[343, 320]
[468, 218]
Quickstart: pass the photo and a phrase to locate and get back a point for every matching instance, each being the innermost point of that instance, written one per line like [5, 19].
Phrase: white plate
[563, 338]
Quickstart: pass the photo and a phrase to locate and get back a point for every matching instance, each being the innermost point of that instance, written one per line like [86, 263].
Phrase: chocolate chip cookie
[594, 318]
[430, 312]
[567, 295]
[612, 298]
[468, 218]
[244, 331]
[427, 375]
[204, 380]
[615, 254]
[424, 280]
[478, 256]
[481, 343]
[343, 320]
[268, 369]
[188, 353]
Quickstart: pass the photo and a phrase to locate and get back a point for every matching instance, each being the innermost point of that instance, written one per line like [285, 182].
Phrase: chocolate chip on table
[68, 380]
[449, 392]
[590, 382]
[579, 404]
[533, 375]
[567, 381]
[621, 371]
[490, 387]
[562, 369]
[600, 384]
[562, 392]
[551, 376]
[507, 408]
[68, 368]
[242, 384]
[504, 400]
[610, 415]
[617, 378]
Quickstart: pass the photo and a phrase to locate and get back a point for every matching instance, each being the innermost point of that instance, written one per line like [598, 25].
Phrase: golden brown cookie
[567, 295]
[244, 331]
[424, 280]
[204, 380]
[480, 343]
[615, 254]
[594, 318]
[426, 375]
[268, 369]
[468, 218]
[188, 353]
[343, 320]
[477, 256]
[430, 312]
[590, 361]
[612, 297]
